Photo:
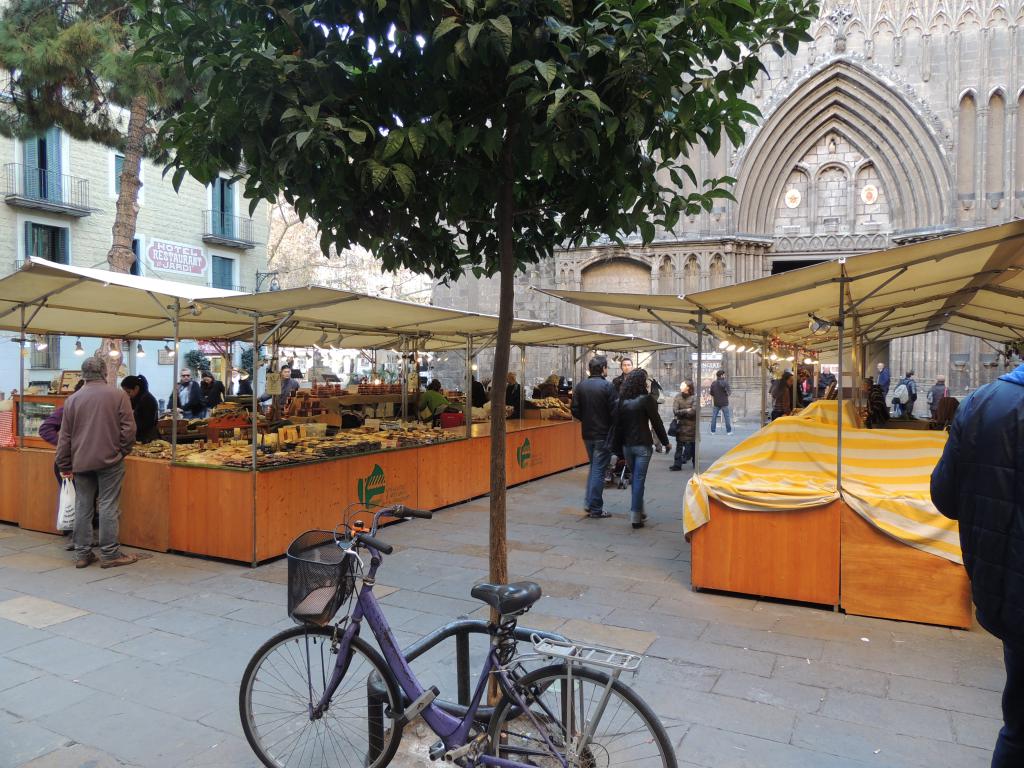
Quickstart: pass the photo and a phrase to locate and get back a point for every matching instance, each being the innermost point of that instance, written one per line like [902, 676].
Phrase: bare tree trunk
[120, 257]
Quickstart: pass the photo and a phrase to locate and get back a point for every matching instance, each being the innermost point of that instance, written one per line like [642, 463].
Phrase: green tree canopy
[455, 135]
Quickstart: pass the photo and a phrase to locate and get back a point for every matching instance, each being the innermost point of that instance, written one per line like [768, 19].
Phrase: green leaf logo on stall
[372, 486]
[523, 454]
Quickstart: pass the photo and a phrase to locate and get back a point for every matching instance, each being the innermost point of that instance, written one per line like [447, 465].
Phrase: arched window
[666, 276]
[691, 275]
[717, 271]
[967, 128]
[995, 161]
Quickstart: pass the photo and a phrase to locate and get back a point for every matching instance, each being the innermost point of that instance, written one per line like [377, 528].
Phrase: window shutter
[118, 167]
[30, 147]
[62, 247]
[29, 245]
[54, 181]
[223, 273]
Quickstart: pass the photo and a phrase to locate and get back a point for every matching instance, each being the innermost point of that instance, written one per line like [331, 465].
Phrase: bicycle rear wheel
[286, 678]
[623, 731]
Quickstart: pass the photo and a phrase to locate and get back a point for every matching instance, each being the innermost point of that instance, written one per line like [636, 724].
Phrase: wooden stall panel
[290, 501]
[886, 578]
[39, 491]
[10, 485]
[452, 472]
[211, 513]
[146, 504]
[792, 554]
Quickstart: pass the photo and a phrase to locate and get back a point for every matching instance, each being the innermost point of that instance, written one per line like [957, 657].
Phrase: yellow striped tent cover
[791, 464]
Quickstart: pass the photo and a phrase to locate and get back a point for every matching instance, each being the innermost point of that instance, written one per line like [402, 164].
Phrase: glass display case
[36, 410]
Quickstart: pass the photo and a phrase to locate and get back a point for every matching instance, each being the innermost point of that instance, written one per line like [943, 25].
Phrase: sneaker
[599, 514]
[122, 559]
[728, 432]
[85, 562]
[675, 468]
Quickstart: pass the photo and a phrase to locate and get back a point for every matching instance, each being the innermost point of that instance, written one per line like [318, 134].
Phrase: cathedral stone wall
[900, 121]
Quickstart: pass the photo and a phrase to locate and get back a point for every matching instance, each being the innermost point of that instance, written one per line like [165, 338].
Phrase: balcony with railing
[26, 186]
[221, 228]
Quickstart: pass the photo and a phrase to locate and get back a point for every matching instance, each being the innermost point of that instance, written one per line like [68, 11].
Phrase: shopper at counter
[547, 388]
[479, 394]
[213, 390]
[144, 407]
[190, 396]
[97, 432]
[782, 396]
[938, 391]
[637, 417]
[685, 413]
[977, 483]
[432, 401]
[593, 404]
[289, 387]
[513, 395]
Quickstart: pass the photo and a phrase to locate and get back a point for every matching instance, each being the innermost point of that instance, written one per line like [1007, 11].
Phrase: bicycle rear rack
[582, 654]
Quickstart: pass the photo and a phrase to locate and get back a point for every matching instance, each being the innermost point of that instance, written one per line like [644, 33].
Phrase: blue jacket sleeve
[944, 476]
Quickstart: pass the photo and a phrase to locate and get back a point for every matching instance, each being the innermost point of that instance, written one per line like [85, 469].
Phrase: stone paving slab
[140, 667]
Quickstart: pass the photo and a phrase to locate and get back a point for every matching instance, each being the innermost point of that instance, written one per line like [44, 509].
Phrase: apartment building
[59, 199]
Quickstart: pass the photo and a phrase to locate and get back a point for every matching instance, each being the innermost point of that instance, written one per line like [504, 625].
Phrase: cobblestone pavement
[140, 666]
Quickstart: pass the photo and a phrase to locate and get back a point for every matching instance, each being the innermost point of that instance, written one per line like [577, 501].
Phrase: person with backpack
[905, 395]
[938, 391]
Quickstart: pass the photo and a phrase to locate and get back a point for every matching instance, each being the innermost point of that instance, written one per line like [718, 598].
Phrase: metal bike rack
[460, 629]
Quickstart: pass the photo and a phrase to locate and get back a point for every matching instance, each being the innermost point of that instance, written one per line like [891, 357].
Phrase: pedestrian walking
[593, 403]
[637, 417]
[905, 395]
[96, 433]
[882, 380]
[720, 391]
[938, 391]
[625, 366]
[977, 483]
[685, 413]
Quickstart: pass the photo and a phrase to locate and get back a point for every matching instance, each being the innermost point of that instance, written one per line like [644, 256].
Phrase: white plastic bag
[66, 506]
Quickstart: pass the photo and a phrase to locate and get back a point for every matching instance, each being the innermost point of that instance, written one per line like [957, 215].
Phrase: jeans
[726, 411]
[684, 452]
[1009, 752]
[638, 458]
[599, 457]
[99, 490]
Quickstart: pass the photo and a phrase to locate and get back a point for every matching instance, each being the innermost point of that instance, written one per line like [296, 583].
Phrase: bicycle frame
[454, 732]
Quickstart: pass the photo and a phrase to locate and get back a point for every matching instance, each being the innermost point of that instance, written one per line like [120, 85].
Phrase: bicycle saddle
[508, 599]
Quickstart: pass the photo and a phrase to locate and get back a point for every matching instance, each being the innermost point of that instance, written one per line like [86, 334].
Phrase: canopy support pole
[21, 380]
[403, 377]
[174, 385]
[522, 380]
[672, 328]
[839, 389]
[699, 390]
[764, 377]
[255, 422]
[467, 409]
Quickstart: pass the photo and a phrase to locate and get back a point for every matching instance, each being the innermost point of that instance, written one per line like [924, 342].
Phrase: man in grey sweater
[96, 434]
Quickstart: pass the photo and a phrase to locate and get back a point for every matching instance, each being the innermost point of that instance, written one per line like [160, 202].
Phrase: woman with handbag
[637, 417]
[685, 422]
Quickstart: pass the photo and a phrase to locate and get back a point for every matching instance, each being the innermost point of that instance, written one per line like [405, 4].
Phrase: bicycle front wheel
[285, 680]
[594, 722]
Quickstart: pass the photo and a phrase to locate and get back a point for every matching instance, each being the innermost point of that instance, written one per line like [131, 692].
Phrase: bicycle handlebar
[370, 541]
[403, 511]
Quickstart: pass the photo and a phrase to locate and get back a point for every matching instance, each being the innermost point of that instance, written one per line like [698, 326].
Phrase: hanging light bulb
[139, 351]
[741, 348]
[41, 343]
[339, 342]
[723, 344]
[808, 361]
[168, 351]
[790, 359]
[79, 349]
[474, 367]
[731, 347]
[322, 340]
[773, 356]
[114, 352]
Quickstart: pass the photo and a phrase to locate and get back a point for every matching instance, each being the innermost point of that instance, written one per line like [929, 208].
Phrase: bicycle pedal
[436, 751]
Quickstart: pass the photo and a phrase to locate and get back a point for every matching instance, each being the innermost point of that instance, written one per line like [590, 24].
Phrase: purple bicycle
[320, 695]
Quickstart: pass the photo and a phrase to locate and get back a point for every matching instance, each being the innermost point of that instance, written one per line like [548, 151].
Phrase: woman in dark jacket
[637, 415]
[143, 406]
[686, 423]
[782, 396]
[212, 390]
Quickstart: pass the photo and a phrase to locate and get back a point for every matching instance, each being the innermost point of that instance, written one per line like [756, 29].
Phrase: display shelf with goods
[36, 409]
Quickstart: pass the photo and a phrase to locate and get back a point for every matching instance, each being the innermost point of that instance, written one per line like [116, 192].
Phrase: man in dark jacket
[977, 482]
[593, 403]
[625, 366]
[720, 391]
[190, 396]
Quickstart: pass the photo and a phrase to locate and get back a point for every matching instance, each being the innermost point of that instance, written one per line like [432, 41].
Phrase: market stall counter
[766, 519]
[228, 511]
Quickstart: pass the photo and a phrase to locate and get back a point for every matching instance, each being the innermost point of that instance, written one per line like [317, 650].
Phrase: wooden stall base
[888, 579]
[789, 554]
[10, 481]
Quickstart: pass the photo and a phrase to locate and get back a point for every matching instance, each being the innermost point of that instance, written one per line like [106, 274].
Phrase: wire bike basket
[321, 577]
